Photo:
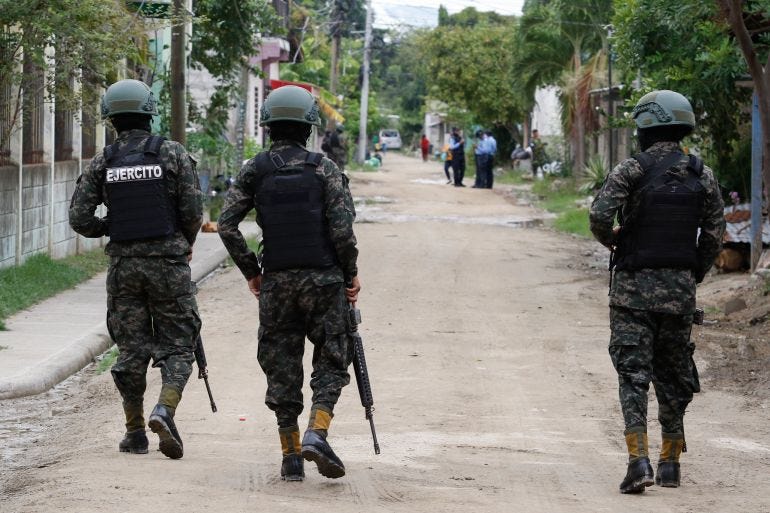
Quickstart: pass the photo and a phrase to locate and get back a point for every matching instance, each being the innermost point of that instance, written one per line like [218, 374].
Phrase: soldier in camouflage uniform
[670, 225]
[154, 211]
[305, 210]
[339, 145]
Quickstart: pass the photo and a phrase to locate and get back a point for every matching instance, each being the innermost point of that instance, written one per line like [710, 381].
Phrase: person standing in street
[447, 155]
[480, 157]
[339, 148]
[537, 149]
[306, 275]
[491, 147]
[457, 147]
[671, 221]
[154, 211]
[424, 147]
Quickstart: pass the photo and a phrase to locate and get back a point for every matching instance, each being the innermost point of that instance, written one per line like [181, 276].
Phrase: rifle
[203, 373]
[362, 374]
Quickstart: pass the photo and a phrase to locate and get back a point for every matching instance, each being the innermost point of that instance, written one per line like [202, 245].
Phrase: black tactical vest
[664, 230]
[290, 202]
[139, 202]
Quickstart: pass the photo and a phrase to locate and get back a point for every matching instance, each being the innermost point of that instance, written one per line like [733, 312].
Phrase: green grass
[573, 221]
[560, 196]
[40, 278]
[107, 360]
[253, 244]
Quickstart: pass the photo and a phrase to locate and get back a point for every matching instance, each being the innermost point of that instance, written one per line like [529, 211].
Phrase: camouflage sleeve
[189, 195]
[340, 214]
[611, 198]
[86, 198]
[712, 226]
[239, 202]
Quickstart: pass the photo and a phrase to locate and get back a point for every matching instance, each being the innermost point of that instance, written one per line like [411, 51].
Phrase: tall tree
[472, 67]
[685, 46]
[573, 32]
[755, 51]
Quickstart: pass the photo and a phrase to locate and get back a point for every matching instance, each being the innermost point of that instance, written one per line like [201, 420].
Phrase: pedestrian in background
[457, 147]
[537, 149]
[424, 147]
[306, 214]
[154, 211]
[446, 154]
[671, 222]
[491, 147]
[480, 156]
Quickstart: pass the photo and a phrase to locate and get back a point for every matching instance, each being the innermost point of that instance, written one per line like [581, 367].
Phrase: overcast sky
[422, 13]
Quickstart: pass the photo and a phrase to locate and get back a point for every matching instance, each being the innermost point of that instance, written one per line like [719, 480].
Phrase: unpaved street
[493, 389]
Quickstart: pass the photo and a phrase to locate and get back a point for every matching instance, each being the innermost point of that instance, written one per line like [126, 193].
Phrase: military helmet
[663, 108]
[290, 103]
[129, 97]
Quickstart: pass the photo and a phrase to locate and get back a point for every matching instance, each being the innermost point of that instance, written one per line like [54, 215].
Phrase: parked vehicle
[391, 138]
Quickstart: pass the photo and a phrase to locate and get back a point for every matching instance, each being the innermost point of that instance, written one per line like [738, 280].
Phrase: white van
[391, 138]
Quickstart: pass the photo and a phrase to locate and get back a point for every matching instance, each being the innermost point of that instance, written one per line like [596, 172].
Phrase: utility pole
[610, 103]
[336, 34]
[362, 137]
[178, 85]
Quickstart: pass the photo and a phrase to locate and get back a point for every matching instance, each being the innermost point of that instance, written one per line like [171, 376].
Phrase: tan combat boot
[292, 464]
[639, 474]
[673, 446]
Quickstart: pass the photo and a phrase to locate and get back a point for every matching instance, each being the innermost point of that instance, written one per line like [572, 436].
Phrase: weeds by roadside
[40, 277]
[107, 360]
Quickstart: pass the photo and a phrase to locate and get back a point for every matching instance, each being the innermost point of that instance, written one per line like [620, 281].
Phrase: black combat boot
[638, 476]
[162, 423]
[668, 475]
[292, 467]
[315, 448]
[134, 442]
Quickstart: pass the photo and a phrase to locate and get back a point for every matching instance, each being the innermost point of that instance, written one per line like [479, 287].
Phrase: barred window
[34, 114]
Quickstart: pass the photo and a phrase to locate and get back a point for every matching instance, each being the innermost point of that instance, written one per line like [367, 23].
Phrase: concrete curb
[79, 354]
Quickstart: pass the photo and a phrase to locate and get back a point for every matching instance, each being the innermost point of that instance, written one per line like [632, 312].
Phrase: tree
[570, 32]
[685, 46]
[473, 68]
[225, 36]
[90, 38]
[754, 50]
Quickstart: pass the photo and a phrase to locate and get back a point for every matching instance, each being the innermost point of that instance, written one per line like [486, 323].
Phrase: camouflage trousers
[294, 305]
[151, 315]
[650, 346]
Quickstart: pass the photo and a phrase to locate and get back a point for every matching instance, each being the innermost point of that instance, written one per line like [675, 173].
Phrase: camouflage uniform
[539, 157]
[296, 303]
[151, 310]
[339, 153]
[651, 309]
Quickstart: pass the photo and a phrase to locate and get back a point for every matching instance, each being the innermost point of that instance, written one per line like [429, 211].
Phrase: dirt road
[493, 389]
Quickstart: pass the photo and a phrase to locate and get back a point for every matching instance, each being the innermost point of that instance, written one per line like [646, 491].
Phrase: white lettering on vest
[133, 173]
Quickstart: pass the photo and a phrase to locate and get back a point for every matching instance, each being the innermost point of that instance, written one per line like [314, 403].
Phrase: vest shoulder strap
[152, 144]
[653, 170]
[313, 159]
[695, 165]
[109, 152]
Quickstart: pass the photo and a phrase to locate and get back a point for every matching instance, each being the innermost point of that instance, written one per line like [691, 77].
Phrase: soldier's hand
[351, 293]
[255, 284]
[189, 256]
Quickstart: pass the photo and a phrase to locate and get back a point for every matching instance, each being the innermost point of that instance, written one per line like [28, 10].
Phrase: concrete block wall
[36, 212]
[9, 205]
[35, 208]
